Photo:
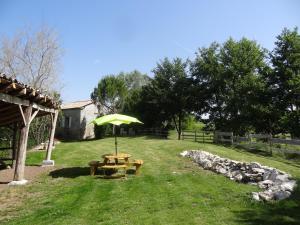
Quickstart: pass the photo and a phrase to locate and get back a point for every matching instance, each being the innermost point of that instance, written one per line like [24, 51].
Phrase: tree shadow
[70, 172]
[254, 150]
[74, 172]
[284, 212]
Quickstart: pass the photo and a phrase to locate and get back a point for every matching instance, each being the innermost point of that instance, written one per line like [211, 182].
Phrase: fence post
[231, 138]
[270, 143]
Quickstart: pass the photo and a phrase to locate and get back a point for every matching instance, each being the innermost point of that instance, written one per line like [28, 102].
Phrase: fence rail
[265, 141]
[198, 136]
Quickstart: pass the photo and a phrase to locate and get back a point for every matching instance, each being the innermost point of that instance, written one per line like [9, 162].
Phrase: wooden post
[21, 157]
[14, 145]
[48, 161]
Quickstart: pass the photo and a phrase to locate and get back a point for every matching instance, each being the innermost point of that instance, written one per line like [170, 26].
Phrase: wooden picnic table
[113, 157]
[111, 161]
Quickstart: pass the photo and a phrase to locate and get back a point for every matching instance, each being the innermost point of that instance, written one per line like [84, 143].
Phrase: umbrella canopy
[115, 119]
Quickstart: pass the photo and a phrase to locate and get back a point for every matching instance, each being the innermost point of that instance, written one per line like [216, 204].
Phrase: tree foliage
[284, 80]
[33, 58]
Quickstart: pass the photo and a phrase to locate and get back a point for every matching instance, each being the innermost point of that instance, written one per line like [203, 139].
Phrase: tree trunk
[179, 127]
[20, 162]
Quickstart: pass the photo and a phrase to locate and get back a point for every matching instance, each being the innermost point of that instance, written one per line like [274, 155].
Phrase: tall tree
[33, 57]
[229, 76]
[285, 79]
[169, 91]
[110, 94]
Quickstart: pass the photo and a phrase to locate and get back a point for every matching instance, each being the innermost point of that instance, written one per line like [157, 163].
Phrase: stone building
[75, 121]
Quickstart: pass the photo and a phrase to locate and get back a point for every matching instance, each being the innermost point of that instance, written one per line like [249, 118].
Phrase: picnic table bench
[107, 165]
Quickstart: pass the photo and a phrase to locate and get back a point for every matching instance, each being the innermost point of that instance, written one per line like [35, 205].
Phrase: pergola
[19, 105]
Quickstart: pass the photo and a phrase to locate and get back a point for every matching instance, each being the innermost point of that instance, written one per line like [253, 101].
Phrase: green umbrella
[115, 119]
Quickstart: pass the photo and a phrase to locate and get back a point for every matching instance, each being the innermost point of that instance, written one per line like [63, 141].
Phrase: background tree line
[240, 85]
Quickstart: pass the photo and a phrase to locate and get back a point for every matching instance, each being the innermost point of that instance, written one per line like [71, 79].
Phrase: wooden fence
[198, 136]
[157, 132]
[263, 142]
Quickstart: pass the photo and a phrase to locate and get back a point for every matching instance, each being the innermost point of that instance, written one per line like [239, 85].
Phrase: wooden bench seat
[114, 166]
[93, 166]
[137, 163]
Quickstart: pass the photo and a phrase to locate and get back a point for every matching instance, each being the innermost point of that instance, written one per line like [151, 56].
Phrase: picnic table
[116, 157]
[115, 162]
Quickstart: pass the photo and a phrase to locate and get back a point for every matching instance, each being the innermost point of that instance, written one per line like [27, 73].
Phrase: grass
[170, 189]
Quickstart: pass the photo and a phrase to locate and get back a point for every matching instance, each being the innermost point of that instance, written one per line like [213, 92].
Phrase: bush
[102, 131]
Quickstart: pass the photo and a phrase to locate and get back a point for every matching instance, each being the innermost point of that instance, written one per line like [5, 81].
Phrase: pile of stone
[276, 184]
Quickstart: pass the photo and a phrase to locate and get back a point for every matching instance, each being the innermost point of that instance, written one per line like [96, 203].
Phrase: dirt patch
[31, 172]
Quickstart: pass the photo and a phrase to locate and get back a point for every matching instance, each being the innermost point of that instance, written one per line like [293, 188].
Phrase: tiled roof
[77, 104]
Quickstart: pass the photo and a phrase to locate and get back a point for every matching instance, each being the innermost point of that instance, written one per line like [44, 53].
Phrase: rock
[275, 183]
[238, 177]
[255, 165]
[270, 175]
[184, 153]
[255, 196]
[282, 195]
[258, 170]
[288, 185]
[222, 170]
[266, 195]
[282, 178]
[265, 184]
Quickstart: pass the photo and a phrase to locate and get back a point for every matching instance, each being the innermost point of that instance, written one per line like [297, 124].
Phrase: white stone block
[17, 182]
[48, 163]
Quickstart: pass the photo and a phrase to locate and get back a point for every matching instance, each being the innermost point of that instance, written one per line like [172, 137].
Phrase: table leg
[93, 170]
[137, 168]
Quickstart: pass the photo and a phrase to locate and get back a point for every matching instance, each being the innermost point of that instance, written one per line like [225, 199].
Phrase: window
[67, 121]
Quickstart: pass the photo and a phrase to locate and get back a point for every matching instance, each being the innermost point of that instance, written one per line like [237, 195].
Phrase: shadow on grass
[73, 172]
[285, 212]
[70, 172]
[254, 150]
[275, 157]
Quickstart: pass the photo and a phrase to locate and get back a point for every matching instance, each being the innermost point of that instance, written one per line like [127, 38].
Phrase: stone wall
[276, 184]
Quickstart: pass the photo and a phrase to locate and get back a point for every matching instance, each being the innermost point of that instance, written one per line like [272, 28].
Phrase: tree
[285, 80]
[33, 58]
[230, 80]
[168, 92]
[110, 93]
[114, 92]
[134, 80]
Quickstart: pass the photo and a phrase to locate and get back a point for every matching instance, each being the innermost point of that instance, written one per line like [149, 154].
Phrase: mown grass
[170, 189]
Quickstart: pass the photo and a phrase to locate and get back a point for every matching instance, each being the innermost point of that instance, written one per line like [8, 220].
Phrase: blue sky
[107, 37]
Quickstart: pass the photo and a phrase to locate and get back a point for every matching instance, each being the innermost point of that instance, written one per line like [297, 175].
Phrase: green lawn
[170, 189]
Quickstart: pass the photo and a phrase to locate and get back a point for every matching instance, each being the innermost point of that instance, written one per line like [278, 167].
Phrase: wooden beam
[33, 115]
[23, 116]
[43, 108]
[51, 139]
[19, 101]
[13, 100]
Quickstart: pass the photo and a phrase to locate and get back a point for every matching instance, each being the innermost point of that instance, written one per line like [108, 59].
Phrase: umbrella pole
[116, 143]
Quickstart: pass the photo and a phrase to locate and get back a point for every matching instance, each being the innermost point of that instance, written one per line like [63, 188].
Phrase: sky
[107, 37]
